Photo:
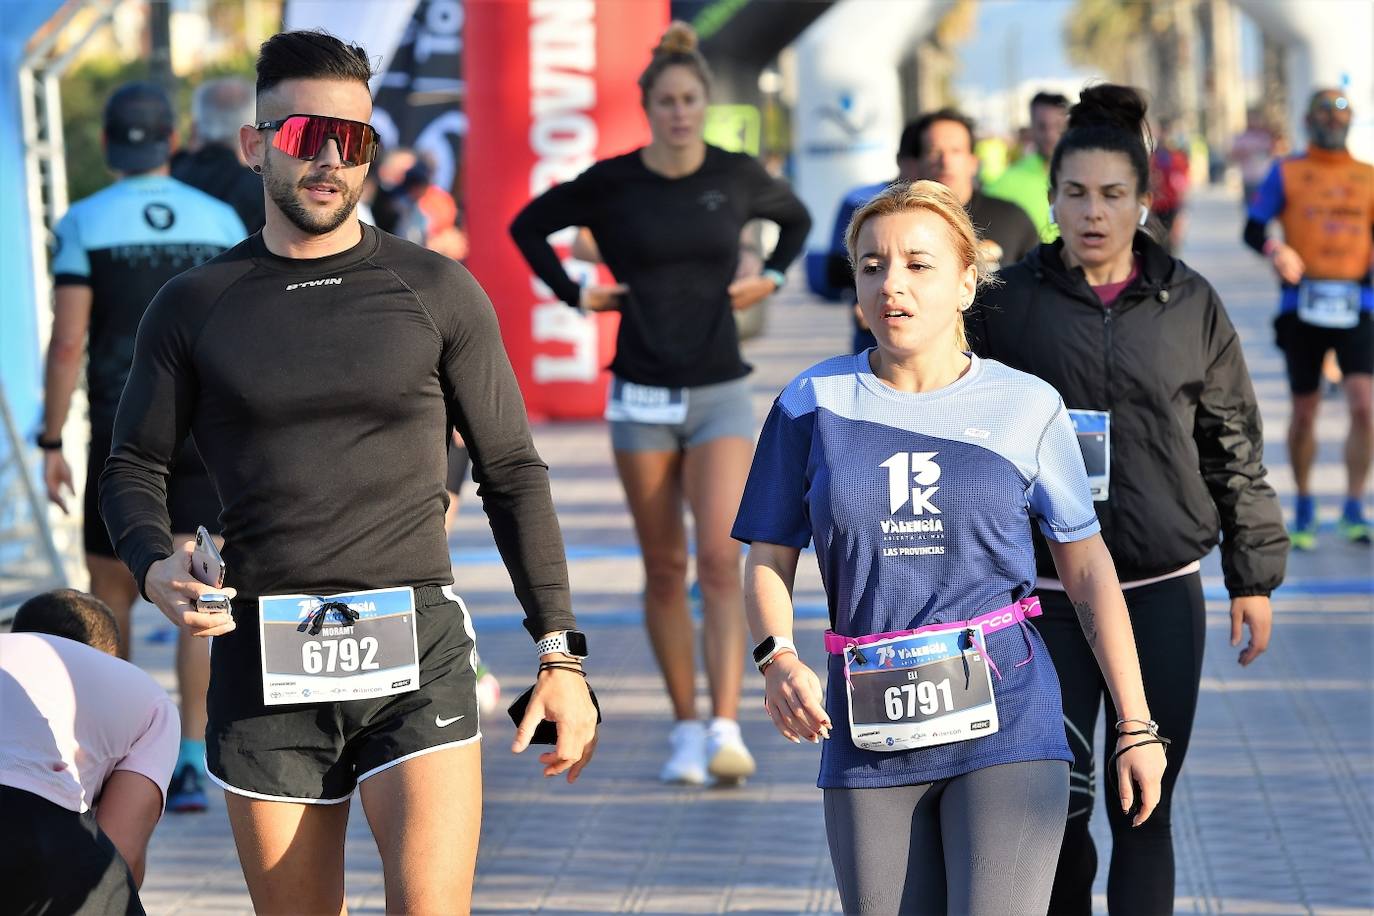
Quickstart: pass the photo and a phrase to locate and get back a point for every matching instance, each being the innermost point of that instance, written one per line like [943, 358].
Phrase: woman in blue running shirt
[917, 470]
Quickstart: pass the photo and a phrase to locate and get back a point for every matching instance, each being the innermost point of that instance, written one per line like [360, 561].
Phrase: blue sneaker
[1303, 532]
[1352, 524]
[186, 793]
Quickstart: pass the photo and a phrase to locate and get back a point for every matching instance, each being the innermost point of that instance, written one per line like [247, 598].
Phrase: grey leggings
[983, 843]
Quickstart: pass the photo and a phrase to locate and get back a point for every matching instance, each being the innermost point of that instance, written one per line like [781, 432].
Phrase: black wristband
[48, 445]
[561, 666]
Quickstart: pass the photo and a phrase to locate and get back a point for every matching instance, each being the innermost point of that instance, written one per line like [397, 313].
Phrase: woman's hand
[1255, 612]
[598, 298]
[794, 700]
[750, 291]
[1139, 772]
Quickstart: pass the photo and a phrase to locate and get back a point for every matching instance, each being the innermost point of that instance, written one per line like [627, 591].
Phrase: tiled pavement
[1273, 813]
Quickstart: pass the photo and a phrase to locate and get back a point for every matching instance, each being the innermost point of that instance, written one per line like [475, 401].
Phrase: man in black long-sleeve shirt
[321, 366]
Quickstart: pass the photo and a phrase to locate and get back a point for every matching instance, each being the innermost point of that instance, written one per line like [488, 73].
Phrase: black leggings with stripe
[1169, 620]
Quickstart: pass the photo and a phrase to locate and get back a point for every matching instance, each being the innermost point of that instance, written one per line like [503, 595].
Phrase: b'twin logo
[330, 281]
[905, 469]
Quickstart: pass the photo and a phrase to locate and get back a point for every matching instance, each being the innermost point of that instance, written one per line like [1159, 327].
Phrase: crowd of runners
[1044, 424]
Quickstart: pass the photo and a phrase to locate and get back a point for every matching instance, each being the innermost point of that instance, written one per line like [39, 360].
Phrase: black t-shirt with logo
[675, 242]
[322, 394]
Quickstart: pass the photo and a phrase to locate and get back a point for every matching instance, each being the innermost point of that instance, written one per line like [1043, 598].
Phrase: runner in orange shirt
[1324, 202]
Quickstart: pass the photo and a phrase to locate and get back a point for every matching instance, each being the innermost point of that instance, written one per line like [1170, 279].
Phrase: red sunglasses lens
[302, 136]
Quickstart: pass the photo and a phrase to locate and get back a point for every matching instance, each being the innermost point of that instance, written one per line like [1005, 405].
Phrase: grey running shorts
[713, 412]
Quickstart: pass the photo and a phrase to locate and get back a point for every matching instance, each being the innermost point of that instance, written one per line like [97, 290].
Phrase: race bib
[919, 690]
[1329, 303]
[318, 648]
[1094, 429]
[646, 403]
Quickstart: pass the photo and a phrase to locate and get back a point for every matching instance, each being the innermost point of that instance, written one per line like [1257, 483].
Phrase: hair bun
[1111, 105]
[680, 38]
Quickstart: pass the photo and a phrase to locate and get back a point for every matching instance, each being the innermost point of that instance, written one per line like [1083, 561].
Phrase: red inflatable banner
[550, 89]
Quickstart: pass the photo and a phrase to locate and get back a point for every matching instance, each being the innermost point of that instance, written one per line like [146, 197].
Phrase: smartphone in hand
[206, 563]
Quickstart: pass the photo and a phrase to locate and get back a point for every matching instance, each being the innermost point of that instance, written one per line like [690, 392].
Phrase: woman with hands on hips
[917, 470]
[666, 220]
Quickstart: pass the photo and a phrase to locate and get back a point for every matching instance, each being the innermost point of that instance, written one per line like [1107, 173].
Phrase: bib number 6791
[927, 697]
[346, 654]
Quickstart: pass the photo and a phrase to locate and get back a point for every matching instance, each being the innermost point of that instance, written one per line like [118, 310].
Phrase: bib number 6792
[927, 697]
[346, 654]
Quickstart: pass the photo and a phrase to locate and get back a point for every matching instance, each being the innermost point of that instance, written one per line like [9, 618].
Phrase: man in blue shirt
[114, 251]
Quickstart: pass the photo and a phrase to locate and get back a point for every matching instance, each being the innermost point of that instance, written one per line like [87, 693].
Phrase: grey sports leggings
[983, 843]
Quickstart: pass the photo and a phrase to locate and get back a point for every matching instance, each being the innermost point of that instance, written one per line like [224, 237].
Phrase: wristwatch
[568, 642]
[778, 277]
[769, 649]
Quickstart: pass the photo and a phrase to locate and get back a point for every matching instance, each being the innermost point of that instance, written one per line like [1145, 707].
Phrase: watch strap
[556, 642]
[766, 651]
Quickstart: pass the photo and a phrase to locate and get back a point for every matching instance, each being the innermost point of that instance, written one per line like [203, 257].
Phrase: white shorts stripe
[429, 750]
[275, 798]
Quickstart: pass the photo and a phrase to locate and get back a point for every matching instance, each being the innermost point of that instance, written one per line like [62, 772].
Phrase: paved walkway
[1275, 812]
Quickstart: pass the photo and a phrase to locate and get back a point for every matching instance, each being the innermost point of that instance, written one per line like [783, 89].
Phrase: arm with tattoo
[1085, 567]
[1084, 611]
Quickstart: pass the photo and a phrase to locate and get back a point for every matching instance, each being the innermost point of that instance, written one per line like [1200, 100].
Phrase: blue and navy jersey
[920, 507]
[125, 242]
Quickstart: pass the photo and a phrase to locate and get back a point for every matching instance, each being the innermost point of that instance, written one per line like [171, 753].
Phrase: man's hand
[1287, 264]
[750, 291]
[57, 474]
[794, 700]
[561, 697]
[170, 585]
[1256, 613]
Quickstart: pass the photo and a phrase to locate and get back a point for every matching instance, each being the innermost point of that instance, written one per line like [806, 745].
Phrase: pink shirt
[1108, 292]
[71, 715]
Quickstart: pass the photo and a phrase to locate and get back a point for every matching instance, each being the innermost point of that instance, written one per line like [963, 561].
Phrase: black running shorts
[317, 753]
[1304, 347]
[191, 498]
[53, 860]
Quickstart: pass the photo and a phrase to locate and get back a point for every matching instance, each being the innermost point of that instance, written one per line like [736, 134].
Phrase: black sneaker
[186, 793]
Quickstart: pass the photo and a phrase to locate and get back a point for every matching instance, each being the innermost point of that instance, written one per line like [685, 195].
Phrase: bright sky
[1016, 40]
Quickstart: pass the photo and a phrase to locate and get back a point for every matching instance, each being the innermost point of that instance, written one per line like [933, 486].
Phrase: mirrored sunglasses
[303, 136]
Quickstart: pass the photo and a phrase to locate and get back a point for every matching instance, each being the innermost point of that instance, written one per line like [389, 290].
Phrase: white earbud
[1052, 218]
[1144, 214]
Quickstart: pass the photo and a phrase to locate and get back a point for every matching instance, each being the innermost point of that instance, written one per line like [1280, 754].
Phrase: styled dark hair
[1053, 99]
[912, 145]
[71, 614]
[677, 48]
[1111, 118]
[309, 55]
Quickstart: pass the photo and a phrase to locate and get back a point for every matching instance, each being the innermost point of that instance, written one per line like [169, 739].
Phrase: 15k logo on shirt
[911, 478]
[905, 469]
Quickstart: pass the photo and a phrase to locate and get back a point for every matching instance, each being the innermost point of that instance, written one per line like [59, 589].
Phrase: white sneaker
[687, 765]
[728, 760]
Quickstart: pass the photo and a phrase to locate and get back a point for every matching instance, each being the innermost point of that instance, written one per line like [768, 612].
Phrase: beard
[284, 193]
[1328, 137]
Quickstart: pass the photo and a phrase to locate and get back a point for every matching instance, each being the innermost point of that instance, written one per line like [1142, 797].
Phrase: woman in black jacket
[1142, 351]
